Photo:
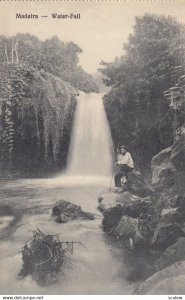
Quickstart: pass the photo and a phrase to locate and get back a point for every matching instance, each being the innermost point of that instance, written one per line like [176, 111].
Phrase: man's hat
[123, 146]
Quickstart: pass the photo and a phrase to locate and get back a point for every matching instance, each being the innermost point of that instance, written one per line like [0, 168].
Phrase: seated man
[126, 165]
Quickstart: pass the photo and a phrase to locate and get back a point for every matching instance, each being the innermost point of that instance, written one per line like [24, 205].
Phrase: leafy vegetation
[53, 55]
[138, 113]
[36, 116]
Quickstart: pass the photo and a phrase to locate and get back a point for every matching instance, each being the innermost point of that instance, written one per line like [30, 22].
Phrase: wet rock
[69, 210]
[168, 229]
[172, 254]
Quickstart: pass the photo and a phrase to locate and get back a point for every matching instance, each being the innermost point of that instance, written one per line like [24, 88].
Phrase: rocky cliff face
[169, 182]
[168, 169]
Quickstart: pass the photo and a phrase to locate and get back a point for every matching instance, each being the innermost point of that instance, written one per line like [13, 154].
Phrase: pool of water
[101, 267]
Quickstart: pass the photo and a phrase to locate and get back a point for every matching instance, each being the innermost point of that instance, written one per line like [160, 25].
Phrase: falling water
[90, 151]
[97, 268]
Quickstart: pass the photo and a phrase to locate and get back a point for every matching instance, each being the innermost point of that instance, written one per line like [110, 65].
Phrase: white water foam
[91, 149]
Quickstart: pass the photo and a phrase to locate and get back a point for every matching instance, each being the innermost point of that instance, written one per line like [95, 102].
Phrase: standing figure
[126, 165]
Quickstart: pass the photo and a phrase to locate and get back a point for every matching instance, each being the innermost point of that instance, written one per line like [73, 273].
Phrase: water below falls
[101, 267]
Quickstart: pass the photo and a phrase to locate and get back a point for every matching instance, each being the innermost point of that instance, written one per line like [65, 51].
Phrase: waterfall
[90, 152]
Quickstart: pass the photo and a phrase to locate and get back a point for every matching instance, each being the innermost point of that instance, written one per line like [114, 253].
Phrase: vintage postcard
[92, 148]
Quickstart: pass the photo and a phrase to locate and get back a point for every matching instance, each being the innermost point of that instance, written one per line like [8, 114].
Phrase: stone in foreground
[65, 211]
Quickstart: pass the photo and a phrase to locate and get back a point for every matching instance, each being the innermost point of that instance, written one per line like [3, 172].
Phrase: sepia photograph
[92, 148]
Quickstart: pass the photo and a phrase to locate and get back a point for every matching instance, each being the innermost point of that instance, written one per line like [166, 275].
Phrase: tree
[53, 55]
[138, 113]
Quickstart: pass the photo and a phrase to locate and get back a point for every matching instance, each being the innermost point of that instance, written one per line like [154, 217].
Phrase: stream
[98, 268]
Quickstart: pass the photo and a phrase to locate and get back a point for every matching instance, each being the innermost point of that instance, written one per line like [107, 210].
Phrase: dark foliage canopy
[139, 115]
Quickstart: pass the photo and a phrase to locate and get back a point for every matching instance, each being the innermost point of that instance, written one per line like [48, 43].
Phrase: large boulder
[163, 170]
[169, 281]
[172, 254]
[168, 229]
[169, 182]
[65, 211]
[168, 167]
[110, 200]
[126, 204]
[127, 221]
[137, 185]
